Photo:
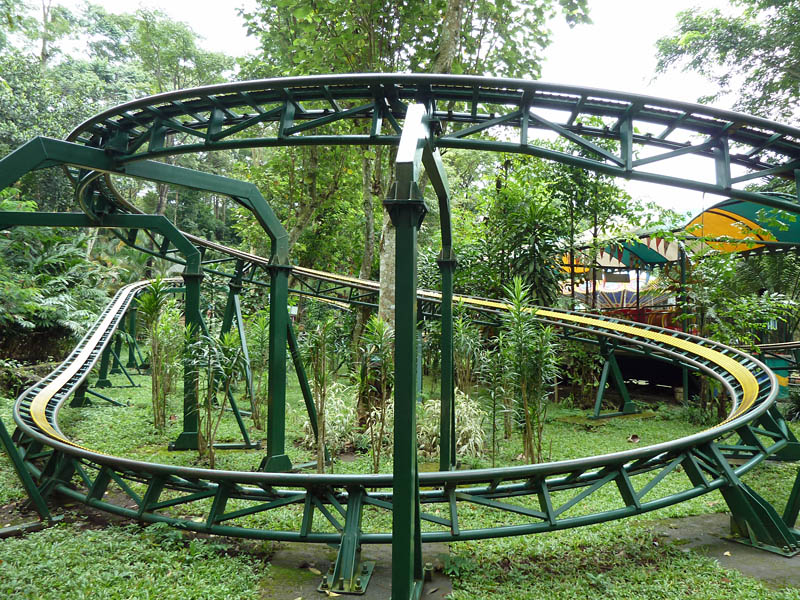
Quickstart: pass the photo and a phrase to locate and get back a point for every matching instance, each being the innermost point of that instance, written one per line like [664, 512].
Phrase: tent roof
[729, 226]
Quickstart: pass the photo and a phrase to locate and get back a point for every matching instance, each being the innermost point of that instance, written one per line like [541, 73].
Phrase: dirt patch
[296, 568]
[707, 534]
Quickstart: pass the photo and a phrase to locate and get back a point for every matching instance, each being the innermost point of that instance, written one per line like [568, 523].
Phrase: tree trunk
[449, 37]
[387, 296]
[368, 200]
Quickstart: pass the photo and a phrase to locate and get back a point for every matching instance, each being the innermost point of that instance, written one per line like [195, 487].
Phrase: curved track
[532, 497]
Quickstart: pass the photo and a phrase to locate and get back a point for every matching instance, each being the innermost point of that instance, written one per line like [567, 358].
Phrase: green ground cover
[622, 559]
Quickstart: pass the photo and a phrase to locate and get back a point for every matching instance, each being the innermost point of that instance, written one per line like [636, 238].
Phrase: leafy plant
[466, 352]
[319, 350]
[580, 367]
[161, 321]
[258, 341]
[378, 379]
[470, 421]
[218, 363]
[532, 351]
[341, 427]
[494, 374]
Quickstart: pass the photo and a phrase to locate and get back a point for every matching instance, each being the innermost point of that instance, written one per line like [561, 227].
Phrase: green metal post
[447, 446]
[79, 398]
[611, 366]
[684, 370]
[116, 365]
[233, 313]
[132, 339]
[406, 559]
[349, 574]
[187, 440]
[102, 379]
[406, 209]
[276, 459]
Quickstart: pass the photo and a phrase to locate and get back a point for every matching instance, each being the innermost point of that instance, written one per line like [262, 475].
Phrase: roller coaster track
[521, 499]
[531, 498]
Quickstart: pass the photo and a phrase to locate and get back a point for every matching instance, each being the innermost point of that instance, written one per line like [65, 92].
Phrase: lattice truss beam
[645, 132]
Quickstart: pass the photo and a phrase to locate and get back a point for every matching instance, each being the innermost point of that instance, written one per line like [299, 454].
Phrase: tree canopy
[752, 53]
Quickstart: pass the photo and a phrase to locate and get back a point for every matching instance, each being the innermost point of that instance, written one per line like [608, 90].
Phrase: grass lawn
[622, 559]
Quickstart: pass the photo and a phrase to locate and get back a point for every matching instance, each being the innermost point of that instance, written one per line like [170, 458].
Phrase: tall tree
[502, 37]
[752, 53]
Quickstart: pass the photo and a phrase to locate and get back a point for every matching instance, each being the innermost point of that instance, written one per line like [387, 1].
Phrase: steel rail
[556, 476]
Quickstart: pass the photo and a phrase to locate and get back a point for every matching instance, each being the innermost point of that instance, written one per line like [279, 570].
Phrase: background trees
[751, 52]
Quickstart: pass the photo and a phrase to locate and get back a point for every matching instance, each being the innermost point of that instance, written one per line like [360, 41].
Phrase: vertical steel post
[447, 442]
[116, 365]
[276, 459]
[407, 209]
[187, 440]
[406, 550]
[132, 340]
[683, 300]
[102, 379]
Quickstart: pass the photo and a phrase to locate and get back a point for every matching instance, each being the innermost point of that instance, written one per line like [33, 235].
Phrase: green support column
[611, 367]
[34, 495]
[132, 364]
[406, 549]
[102, 379]
[684, 370]
[79, 398]
[406, 209]
[233, 314]
[116, 365]
[187, 440]
[447, 446]
[276, 459]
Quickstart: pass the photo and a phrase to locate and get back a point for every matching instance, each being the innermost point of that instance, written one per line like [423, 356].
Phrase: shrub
[342, 433]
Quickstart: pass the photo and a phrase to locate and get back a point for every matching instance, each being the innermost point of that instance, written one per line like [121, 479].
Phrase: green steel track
[534, 498]
[420, 115]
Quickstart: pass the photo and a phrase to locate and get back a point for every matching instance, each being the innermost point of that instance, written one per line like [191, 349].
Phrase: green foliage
[580, 365]
[525, 218]
[466, 352]
[341, 426]
[751, 52]
[504, 38]
[722, 304]
[470, 422]
[161, 320]
[494, 374]
[377, 382]
[793, 408]
[318, 348]
[67, 561]
[218, 363]
[257, 327]
[531, 348]
[46, 277]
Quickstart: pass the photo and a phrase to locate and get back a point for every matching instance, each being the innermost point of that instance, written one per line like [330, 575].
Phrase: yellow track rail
[745, 378]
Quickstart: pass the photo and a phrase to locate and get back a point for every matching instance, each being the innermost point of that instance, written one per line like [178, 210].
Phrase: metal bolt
[364, 569]
[324, 585]
[358, 583]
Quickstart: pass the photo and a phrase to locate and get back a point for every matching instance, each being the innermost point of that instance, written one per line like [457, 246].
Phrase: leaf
[633, 439]
[315, 571]
[726, 553]
[301, 13]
